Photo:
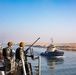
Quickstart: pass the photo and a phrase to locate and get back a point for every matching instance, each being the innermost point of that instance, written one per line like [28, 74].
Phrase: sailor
[19, 56]
[20, 51]
[9, 57]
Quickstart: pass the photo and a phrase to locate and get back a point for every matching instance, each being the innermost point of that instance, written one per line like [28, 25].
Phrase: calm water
[59, 66]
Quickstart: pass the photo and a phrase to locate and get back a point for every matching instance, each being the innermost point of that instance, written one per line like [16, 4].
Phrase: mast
[51, 40]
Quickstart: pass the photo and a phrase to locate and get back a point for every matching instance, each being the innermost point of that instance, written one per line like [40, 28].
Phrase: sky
[26, 20]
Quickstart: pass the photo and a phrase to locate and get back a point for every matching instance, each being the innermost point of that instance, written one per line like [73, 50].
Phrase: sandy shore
[62, 46]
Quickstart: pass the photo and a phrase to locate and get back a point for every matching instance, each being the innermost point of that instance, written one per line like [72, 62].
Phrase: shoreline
[61, 46]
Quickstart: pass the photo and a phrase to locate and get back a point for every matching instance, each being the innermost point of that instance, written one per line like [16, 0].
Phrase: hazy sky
[26, 20]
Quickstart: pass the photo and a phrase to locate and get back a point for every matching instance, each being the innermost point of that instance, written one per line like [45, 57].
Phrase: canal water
[55, 66]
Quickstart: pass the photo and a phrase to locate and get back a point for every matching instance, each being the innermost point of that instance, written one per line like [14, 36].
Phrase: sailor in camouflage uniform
[20, 51]
[19, 57]
[9, 57]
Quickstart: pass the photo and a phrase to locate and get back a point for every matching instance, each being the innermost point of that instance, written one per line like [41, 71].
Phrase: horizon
[26, 20]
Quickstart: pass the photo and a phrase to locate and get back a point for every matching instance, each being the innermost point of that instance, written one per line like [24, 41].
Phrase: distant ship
[52, 51]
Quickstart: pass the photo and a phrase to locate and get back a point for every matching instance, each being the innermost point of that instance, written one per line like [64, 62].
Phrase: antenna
[51, 40]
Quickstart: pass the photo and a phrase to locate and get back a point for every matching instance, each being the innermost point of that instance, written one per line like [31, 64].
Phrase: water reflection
[53, 62]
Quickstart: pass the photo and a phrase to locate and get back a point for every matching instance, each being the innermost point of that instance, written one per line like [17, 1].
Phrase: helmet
[10, 43]
[22, 44]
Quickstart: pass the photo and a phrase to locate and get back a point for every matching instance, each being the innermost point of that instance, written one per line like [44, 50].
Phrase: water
[59, 66]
